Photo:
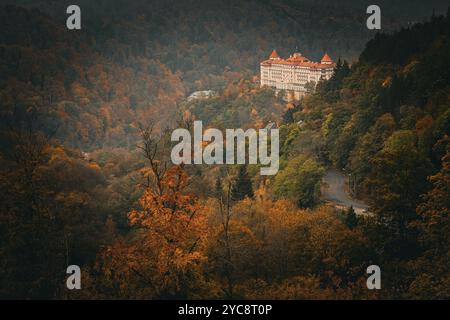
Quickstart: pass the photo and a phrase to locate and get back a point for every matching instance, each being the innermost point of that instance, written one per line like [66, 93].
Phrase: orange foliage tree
[162, 257]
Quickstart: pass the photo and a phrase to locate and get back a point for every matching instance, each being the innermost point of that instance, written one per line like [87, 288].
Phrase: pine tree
[351, 219]
[218, 187]
[242, 185]
[288, 116]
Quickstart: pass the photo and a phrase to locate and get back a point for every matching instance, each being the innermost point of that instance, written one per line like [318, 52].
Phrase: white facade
[297, 75]
[202, 95]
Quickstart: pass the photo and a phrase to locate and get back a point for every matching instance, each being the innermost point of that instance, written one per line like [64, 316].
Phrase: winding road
[334, 190]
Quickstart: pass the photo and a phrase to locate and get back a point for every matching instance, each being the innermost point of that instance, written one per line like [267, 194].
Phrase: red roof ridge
[297, 59]
[274, 55]
[326, 58]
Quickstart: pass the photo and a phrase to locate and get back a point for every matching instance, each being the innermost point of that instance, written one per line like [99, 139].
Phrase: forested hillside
[386, 122]
[65, 85]
[203, 39]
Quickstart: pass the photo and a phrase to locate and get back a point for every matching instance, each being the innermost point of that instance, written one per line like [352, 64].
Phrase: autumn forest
[86, 177]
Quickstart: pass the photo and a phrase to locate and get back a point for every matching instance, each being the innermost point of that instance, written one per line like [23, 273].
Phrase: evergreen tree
[288, 115]
[242, 185]
[351, 219]
[218, 187]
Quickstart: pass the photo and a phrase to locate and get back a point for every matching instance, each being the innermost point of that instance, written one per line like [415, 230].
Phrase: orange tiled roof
[298, 60]
[326, 58]
[274, 55]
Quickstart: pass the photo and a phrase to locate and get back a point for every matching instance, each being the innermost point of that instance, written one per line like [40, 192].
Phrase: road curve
[334, 190]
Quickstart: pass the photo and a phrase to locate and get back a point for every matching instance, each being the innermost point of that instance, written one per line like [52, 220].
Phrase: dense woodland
[86, 179]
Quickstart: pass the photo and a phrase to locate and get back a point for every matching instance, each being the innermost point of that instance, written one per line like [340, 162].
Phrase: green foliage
[330, 89]
[399, 176]
[242, 185]
[288, 116]
[299, 181]
[367, 147]
[242, 104]
[351, 219]
[399, 47]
